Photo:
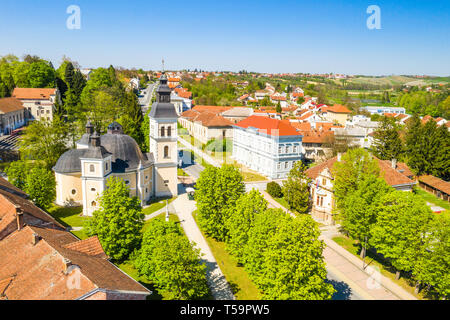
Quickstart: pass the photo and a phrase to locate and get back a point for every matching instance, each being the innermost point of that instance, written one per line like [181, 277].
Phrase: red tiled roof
[436, 183]
[10, 105]
[90, 246]
[213, 109]
[269, 126]
[390, 175]
[337, 108]
[33, 93]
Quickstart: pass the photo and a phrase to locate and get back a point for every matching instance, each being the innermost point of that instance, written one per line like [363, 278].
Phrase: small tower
[163, 141]
[95, 169]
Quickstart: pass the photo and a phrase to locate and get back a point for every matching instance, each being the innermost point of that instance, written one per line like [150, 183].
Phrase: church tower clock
[163, 141]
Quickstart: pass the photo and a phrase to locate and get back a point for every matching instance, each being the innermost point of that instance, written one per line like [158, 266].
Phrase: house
[39, 103]
[237, 114]
[276, 98]
[180, 101]
[337, 113]
[261, 94]
[316, 136]
[436, 186]
[12, 115]
[41, 260]
[86, 73]
[397, 175]
[268, 146]
[205, 125]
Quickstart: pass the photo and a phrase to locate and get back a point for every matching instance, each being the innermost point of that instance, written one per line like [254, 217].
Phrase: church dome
[126, 154]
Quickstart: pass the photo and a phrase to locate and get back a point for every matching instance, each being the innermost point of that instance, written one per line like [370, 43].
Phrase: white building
[382, 109]
[268, 146]
[39, 103]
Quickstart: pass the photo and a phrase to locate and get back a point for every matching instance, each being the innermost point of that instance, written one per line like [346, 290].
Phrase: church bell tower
[163, 141]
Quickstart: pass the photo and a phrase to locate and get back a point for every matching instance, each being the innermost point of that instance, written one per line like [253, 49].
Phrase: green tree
[433, 267]
[41, 186]
[41, 75]
[240, 221]
[171, 262]
[133, 118]
[354, 166]
[44, 140]
[69, 74]
[415, 145]
[361, 209]
[119, 220]
[296, 190]
[400, 230]
[293, 263]
[441, 161]
[17, 173]
[278, 108]
[264, 227]
[217, 190]
[387, 144]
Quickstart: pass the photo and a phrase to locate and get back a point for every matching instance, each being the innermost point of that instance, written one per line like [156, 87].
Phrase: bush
[274, 189]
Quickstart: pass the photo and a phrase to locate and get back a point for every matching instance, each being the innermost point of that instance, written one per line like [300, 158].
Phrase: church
[81, 173]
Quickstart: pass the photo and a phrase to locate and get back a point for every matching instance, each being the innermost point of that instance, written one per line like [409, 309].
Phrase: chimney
[35, 239]
[339, 155]
[19, 217]
[67, 263]
[394, 163]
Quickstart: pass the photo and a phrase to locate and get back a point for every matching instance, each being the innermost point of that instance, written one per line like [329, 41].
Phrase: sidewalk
[206, 157]
[220, 288]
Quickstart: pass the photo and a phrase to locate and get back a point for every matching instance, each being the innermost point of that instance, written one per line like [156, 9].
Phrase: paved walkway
[219, 286]
[206, 157]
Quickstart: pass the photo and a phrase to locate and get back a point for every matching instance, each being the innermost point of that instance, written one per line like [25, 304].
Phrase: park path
[219, 286]
[206, 157]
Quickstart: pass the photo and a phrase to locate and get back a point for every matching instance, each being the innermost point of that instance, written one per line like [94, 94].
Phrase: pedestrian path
[219, 286]
[206, 157]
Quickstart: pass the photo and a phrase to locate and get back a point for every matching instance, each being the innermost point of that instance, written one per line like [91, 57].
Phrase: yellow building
[81, 173]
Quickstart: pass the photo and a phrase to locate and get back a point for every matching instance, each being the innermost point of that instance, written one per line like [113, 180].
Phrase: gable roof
[33, 93]
[269, 126]
[10, 105]
[337, 108]
[392, 176]
[436, 183]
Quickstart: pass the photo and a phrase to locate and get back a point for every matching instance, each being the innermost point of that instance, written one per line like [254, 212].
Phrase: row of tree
[162, 253]
[424, 147]
[281, 254]
[396, 224]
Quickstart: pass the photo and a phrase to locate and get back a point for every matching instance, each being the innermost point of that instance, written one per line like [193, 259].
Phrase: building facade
[12, 115]
[268, 146]
[39, 103]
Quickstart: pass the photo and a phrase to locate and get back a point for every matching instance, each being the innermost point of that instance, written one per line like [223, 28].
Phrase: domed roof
[126, 154]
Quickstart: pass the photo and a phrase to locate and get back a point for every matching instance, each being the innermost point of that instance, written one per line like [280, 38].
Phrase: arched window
[163, 132]
[166, 152]
[74, 191]
[92, 168]
[169, 131]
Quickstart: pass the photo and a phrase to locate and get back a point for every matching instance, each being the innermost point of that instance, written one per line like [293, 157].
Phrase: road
[144, 101]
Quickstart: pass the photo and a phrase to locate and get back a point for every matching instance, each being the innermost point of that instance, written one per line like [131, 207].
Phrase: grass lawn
[155, 206]
[243, 288]
[80, 234]
[429, 197]
[353, 247]
[68, 216]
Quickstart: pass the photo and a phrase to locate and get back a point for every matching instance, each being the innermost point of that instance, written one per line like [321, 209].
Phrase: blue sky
[257, 35]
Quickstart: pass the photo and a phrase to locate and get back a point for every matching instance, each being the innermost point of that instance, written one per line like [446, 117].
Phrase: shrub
[274, 189]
